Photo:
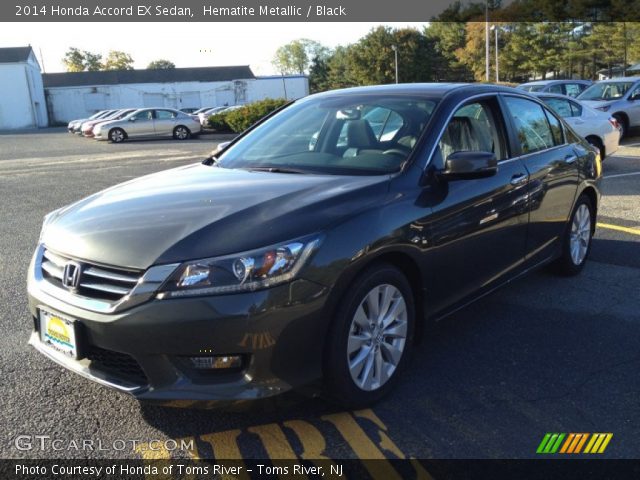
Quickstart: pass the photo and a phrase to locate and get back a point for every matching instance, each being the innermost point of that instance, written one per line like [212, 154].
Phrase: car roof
[549, 82]
[620, 79]
[437, 90]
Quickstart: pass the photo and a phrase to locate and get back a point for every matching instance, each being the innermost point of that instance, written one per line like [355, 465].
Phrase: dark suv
[315, 245]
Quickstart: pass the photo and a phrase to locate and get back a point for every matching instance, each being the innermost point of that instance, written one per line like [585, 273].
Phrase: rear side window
[560, 106]
[555, 88]
[164, 115]
[531, 124]
[573, 89]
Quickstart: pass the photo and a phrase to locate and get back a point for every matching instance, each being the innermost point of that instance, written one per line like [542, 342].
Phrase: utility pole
[486, 38]
[495, 27]
[395, 51]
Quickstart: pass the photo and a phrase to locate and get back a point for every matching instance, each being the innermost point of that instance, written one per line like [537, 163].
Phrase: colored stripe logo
[574, 443]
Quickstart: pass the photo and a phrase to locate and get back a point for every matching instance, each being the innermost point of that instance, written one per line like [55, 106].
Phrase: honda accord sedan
[314, 246]
[147, 123]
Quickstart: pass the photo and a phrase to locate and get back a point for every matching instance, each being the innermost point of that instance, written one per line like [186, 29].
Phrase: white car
[204, 116]
[598, 128]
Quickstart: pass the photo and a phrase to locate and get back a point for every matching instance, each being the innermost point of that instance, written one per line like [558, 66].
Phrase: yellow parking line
[633, 231]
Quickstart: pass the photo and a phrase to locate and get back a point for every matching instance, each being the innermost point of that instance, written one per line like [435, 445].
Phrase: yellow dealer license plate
[58, 333]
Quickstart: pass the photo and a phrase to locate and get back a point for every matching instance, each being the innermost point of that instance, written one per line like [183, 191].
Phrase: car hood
[201, 211]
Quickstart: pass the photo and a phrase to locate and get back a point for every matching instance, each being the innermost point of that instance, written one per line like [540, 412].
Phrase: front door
[141, 125]
[478, 227]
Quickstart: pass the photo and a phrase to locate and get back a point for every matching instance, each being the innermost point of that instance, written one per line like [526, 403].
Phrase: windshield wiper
[275, 170]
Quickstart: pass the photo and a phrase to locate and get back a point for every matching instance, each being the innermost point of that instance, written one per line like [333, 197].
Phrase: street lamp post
[395, 52]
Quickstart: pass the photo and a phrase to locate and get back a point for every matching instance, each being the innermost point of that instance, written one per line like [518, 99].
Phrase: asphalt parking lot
[545, 354]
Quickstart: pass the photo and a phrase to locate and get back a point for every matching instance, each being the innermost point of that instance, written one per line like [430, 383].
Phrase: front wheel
[117, 135]
[370, 338]
[577, 241]
[181, 133]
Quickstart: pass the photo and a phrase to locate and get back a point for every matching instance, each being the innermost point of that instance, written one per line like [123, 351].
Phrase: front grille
[115, 364]
[99, 282]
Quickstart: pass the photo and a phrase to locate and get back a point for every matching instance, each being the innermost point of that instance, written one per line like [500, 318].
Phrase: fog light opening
[216, 362]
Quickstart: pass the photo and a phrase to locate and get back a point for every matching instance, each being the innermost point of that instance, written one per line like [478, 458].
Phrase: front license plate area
[58, 333]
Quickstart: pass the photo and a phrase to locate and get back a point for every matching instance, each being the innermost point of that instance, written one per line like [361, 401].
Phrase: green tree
[74, 60]
[446, 38]
[117, 60]
[372, 59]
[92, 61]
[318, 75]
[296, 56]
[161, 65]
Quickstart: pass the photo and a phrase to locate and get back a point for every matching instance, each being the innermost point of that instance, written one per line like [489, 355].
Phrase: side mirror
[469, 165]
[132, 119]
[634, 96]
[218, 150]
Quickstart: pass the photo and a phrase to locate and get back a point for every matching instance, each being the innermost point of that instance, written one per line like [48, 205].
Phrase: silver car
[75, 125]
[619, 97]
[149, 122]
[570, 88]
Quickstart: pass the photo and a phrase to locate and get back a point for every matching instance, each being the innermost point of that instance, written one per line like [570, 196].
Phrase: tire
[624, 124]
[576, 244]
[181, 133]
[117, 135]
[355, 348]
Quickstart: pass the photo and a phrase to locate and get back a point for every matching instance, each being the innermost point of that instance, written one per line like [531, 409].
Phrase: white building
[80, 94]
[22, 101]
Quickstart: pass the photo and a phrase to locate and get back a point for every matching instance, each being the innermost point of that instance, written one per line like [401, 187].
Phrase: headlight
[604, 108]
[241, 272]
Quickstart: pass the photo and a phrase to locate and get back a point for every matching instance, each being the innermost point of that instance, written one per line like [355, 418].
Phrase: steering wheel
[395, 151]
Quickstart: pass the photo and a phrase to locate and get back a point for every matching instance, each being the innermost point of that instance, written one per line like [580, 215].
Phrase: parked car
[619, 97]
[203, 109]
[73, 125]
[149, 122]
[273, 265]
[189, 110]
[571, 88]
[203, 117]
[87, 127]
[598, 128]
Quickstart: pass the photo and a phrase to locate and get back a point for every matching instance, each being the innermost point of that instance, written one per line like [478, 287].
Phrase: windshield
[532, 88]
[341, 134]
[606, 91]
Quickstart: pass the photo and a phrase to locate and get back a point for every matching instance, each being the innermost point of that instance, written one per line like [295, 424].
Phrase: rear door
[539, 137]
[164, 122]
[478, 226]
[633, 109]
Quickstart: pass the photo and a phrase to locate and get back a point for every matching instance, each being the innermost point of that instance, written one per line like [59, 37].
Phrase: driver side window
[473, 128]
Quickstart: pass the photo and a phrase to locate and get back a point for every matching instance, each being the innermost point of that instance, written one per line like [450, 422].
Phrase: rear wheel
[370, 338]
[117, 135]
[181, 133]
[577, 241]
[596, 142]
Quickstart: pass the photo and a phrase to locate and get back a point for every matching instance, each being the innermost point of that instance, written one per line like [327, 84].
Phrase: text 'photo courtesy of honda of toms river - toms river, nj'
[316, 246]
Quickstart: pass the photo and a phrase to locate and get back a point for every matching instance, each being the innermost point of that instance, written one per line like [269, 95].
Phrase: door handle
[570, 158]
[519, 178]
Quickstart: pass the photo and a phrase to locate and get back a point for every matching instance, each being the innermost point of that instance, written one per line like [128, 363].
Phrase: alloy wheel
[181, 133]
[117, 136]
[580, 235]
[377, 337]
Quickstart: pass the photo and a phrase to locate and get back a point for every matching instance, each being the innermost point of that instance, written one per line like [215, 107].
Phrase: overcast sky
[185, 44]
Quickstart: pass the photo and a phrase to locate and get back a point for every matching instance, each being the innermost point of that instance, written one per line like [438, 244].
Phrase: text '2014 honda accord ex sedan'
[317, 245]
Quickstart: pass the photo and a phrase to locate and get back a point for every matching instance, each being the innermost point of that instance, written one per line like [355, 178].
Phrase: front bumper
[278, 332]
